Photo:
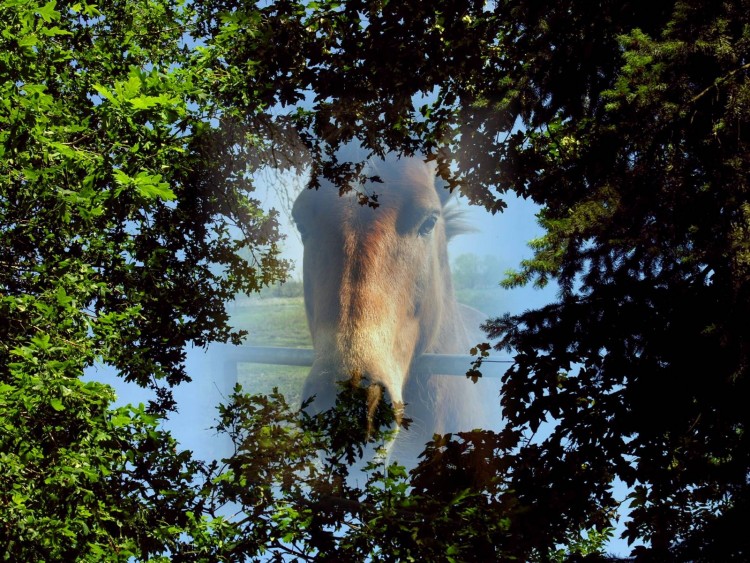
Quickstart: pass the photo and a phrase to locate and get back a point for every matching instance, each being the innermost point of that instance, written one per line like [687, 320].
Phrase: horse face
[374, 280]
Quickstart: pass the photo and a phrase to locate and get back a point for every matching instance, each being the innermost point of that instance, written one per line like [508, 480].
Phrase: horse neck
[458, 328]
[452, 336]
[444, 403]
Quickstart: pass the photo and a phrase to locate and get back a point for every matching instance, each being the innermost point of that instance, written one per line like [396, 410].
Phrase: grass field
[273, 322]
[277, 321]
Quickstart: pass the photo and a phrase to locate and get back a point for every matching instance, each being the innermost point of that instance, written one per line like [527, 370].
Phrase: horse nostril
[374, 396]
[326, 389]
[383, 411]
[385, 397]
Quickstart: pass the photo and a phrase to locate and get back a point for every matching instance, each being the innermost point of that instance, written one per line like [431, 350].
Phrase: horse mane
[455, 222]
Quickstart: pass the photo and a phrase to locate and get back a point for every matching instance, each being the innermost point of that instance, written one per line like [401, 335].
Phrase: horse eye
[428, 225]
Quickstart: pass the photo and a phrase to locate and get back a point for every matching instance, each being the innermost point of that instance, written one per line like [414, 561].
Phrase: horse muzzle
[353, 395]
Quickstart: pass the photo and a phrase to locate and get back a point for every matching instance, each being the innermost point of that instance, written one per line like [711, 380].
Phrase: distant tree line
[471, 271]
[287, 288]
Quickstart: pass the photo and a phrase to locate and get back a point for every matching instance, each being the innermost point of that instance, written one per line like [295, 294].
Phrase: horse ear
[456, 223]
[455, 217]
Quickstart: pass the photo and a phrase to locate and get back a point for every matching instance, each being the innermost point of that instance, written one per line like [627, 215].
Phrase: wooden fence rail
[445, 364]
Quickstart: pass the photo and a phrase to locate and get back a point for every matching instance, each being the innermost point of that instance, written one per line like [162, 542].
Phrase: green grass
[260, 379]
[273, 322]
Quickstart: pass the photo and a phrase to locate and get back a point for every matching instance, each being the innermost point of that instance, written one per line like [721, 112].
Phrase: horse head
[377, 283]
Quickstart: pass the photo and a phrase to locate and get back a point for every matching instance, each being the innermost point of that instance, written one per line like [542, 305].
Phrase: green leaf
[151, 186]
[105, 93]
[42, 342]
[145, 102]
[132, 87]
[28, 41]
[57, 404]
[52, 31]
[120, 420]
[62, 297]
[48, 12]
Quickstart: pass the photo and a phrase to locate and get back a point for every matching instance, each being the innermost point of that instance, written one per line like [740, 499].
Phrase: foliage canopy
[628, 124]
[124, 203]
[125, 161]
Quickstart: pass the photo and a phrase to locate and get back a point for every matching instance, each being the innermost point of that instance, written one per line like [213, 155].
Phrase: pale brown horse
[378, 294]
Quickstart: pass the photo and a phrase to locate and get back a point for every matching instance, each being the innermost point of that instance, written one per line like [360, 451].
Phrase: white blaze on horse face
[372, 279]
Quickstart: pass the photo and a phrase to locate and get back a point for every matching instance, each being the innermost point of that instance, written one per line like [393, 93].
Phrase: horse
[378, 294]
